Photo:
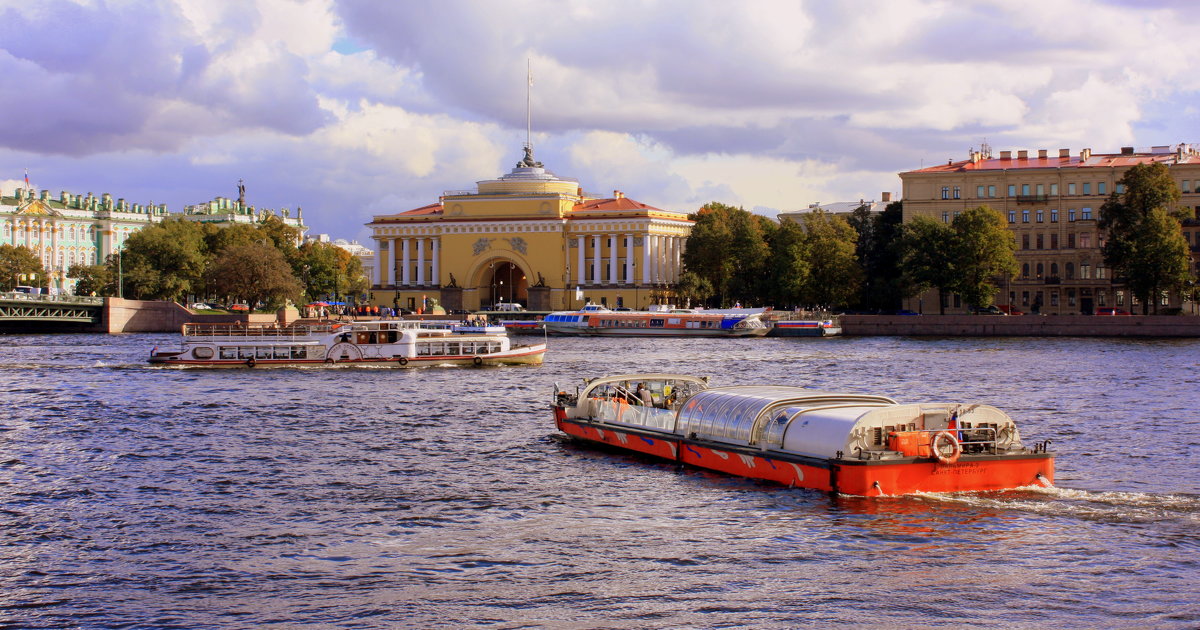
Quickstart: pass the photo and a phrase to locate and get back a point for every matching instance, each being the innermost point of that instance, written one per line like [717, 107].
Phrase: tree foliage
[20, 266]
[93, 280]
[253, 273]
[326, 269]
[692, 288]
[879, 254]
[1145, 245]
[983, 253]
[708, 247]
[927, 258]
[788, 266]
[164, 261]
[834, 274]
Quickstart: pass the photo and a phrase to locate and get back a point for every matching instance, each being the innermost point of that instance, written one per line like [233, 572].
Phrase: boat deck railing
[970, 439]
[272, 331]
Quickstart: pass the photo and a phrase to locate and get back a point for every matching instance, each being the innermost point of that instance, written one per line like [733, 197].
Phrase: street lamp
[492, 272]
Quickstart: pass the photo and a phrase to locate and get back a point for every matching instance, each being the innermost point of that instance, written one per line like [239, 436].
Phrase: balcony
[1053, 280]
[1032, 198]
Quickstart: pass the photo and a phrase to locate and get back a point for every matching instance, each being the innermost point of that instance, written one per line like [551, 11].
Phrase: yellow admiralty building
[530, 238]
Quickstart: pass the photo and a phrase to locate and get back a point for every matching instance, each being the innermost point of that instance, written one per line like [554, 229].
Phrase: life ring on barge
[251, 362]
[942, 439]
[478, 361]
[402, 361]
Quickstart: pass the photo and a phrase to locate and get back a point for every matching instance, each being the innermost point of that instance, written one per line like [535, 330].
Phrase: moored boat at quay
[856, 444]
[599, 321]
[805, 328]
[387, 343]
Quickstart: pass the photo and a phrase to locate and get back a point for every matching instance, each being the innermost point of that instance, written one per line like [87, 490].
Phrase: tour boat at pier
[597, 320]
[805, 328]
[855, 444]
[390, 343]
[523, 325]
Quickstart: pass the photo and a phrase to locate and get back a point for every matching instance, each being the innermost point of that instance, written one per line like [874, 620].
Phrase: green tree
[834, 274]
[1145, 245]
[927, 258]
[164, 261]
[326, 269]
[93, 280]
[788, 266]
[707, 251]
[879, 253]
[983, 253]
[693, 288]
[20, 266]
[253, 273]
[748, 251]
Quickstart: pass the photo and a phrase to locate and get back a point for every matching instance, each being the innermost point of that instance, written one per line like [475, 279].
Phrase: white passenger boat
[390, 343]
[857, 444]
[595, 320]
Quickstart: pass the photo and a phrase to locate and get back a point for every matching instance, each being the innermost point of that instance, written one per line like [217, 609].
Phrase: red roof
[617, 204]
[1097, 160]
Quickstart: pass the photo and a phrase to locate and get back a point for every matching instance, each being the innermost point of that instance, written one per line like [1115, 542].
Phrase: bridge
[41, 312]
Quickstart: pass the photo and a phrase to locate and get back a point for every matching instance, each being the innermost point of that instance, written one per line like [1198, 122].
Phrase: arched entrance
[502, 281]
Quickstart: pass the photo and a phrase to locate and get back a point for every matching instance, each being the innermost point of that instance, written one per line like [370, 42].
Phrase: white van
[508, 306]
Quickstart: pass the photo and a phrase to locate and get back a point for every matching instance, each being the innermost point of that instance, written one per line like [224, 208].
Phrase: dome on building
[529, 177]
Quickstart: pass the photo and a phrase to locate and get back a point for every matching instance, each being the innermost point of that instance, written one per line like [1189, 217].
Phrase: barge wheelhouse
[857, 444]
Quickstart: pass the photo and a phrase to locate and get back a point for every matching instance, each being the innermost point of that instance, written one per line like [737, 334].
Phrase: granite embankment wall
[140, 316]
[1021, 326]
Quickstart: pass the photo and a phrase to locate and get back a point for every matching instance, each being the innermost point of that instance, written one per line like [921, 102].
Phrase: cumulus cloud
[354, 107]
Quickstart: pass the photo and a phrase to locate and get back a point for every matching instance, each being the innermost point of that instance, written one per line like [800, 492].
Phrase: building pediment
[37, 207]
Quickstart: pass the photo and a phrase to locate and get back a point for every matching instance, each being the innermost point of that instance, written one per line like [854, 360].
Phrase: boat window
[283, 352]
[656, 323]
[298, 352]
[203, 352]
[263, 352]
[229, 352]
[453, 348]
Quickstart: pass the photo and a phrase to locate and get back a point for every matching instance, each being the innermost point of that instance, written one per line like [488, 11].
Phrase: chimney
[1041, 154]
[618, 194]
[1126, 150]
[885, 197]
[1064, 153]
[1022, 155]
[1085, 154]
[1006, 155]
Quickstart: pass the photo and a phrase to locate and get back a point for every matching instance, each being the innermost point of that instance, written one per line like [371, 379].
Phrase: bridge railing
[46, 297]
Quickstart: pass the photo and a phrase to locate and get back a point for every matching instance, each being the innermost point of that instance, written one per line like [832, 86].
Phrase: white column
[579, 267]
[628, 275]
[421, 261]
[382, 260]
[613, 272]
[54, 250]
[405, 276]
[437, 260]
[654, 258]
[596, 259]
[679, 243]
[646, 259]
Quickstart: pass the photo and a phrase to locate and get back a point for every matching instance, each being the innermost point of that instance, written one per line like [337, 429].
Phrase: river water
[139, 497]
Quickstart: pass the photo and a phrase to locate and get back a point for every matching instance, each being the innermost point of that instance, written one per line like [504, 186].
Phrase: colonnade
[662, 259]
[397, 268]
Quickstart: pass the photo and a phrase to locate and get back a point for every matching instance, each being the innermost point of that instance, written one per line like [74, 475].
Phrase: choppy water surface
[145, 497]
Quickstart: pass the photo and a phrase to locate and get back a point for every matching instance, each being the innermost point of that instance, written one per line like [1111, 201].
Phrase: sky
[357, 108]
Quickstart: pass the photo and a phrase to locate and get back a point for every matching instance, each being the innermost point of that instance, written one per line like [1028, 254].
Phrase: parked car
[508, 306]
[1011, 310]
[242, 308]
[1107, 310]
[991, 309]
[906, 312]
[201, 306]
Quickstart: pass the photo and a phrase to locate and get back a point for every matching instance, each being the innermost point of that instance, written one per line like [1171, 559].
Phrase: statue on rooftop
[528, 161]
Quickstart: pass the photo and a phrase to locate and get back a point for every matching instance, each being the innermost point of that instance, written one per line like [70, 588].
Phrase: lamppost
[492, 272]
[636, 305]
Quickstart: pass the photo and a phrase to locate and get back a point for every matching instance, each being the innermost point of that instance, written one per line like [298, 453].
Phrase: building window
[1101, 188]
[1071, 297]
[1187, 186]
[957, 192]
[1025, 270]
[1054, 298]
[1087, 188]
[1041, 189]
[1024, 298]
[1012, 190]
[1024, 216]
[1120, 189]
[1041, 216]
[945, 192]
[1024, 189]
[1053, 241]
[1120, 298]
[1054, 215]
[1085, 241]
[1040, 270]
[1085, 214]
[1012, 216]
[979, 190]
[1071, 188]
[1039, 241]
[991, 191]
[1071, 241]
[1053, 270]
[1100, 272]
[1025, 242]
[1054, 189]
[1070, 269]
[1101, 297]
[945, 217]
[1163, 299]
[1071, 215]
[1085, 271]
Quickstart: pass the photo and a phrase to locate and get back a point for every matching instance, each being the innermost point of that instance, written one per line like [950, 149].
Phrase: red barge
[855, 444]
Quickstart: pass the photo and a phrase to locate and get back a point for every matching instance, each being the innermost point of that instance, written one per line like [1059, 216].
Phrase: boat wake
[1103, 506]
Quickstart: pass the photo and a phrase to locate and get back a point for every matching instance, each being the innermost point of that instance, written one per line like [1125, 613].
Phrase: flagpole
[528, 116]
